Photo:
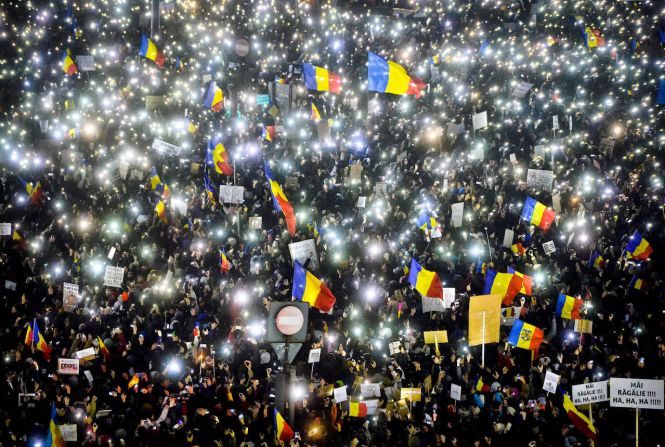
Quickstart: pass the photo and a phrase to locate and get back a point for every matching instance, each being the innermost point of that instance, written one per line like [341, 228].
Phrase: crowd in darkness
[188, 363]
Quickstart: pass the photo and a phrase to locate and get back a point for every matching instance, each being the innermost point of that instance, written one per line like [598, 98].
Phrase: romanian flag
[320, 79]
[68, 65]
[568, 307]
[160, 209]
[357, 409]
[527, 282]
[537, 214]
[316, 116]
[35, 192]
[481, 268]
[525, 335]
[506, 284]
[637, 283]
[427, 222]
[592, 38]
[638, 247]
[102, 348]
[434, 60]
[269, 133]
[424, 281]
[282, 430]
[192, 127]
[224, 263]
[581, 422]
[390, 77]
[210, 189]
[310, 289]
[281, 202]
[150, 51]
[482, 387]
[73, 133]
[54, 438]
[41, 343]
[218, 157]
[214, 98]
[518, 249]
[30, 335]
[596, 260]
[17, 236]
[157, 185]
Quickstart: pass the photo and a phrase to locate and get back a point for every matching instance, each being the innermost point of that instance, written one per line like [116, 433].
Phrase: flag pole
[482, 363]
[489, 250]
[637, 427]
[590, 419]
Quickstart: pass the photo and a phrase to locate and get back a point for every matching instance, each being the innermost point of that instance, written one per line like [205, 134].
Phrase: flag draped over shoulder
[321, 79]
[282, 204]
[581, 422]
[386, 76]
[54, 438]
[310, 289]
[283, 431]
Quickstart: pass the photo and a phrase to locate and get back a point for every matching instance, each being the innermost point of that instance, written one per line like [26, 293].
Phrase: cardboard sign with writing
[372, 406]
[412, 394]
[457, 214]
[314, 355]
[370, 389]
[589, 393]
[113, 276]
[549, 247]
[232, 194]
[68, 366]
[556, 202]
[255, 222]
[355, 172]
[86, 354]
[508, 236]
[636, 393]
[455, 392]
[432, 337]
[540, 179]
[85, 63]
[551, 382]
[163, 147]
[68, 432]
[583, 326]
[479, 120]
[362, 200]
[433, 305]
[304, 250]
[5, 229]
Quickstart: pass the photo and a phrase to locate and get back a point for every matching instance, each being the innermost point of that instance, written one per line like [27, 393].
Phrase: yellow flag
[487, 307]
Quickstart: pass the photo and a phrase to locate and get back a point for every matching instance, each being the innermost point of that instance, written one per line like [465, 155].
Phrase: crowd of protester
[185, 359]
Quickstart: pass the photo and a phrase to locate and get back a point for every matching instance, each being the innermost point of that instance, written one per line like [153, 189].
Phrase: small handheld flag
[150, 51]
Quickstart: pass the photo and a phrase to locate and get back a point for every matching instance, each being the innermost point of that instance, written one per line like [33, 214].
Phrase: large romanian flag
[224, 263]
[525, 336]
[310, 289]
[537, 214]
[390, 77]
[581, 422]
[426, 222]
[68, 64]
[638, 247]
[506, 284]
[281, 202]
[425, 281]
[320, 79]
[40, 342]
[568, 307]
[54, 438]
[150, 51]
[358, 409]
[282, 430]
[527, 282]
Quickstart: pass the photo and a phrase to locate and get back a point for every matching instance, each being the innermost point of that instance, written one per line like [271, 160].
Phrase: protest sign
[304, 250]
[68, 432]
[85, 63]
[549, 247]
[370, 389]
[551, 381]
[255, 222]
[231, 194]
[314, 355]
[540, 179]
[508, 236]
[68, 366]
[479, 120]
[636, 393]
[5, 229]
[162, 147]
[589, 393]
[340, 394]
[70, 294]
[113, 276]
[457, 215]
[455, 392]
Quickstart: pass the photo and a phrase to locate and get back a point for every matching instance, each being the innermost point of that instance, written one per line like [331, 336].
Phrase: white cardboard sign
[370, 389]
[372, 406]
[164, 147]
[303, 250]
[85, 353]
[433, 305]
[5, 229]
[589, 393]
[455, 392]
[549, 247]
[340, 394]
[540, 179]
[448, 297]
[362, 200]
[508, 237]
[113, 276]
[457, 214]
[551, 382]
[636, 393]
[68, 432]
[479, 120]
[68, 366]
[85, 63]
[314, 355]
[70, 293]
[231, 194]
